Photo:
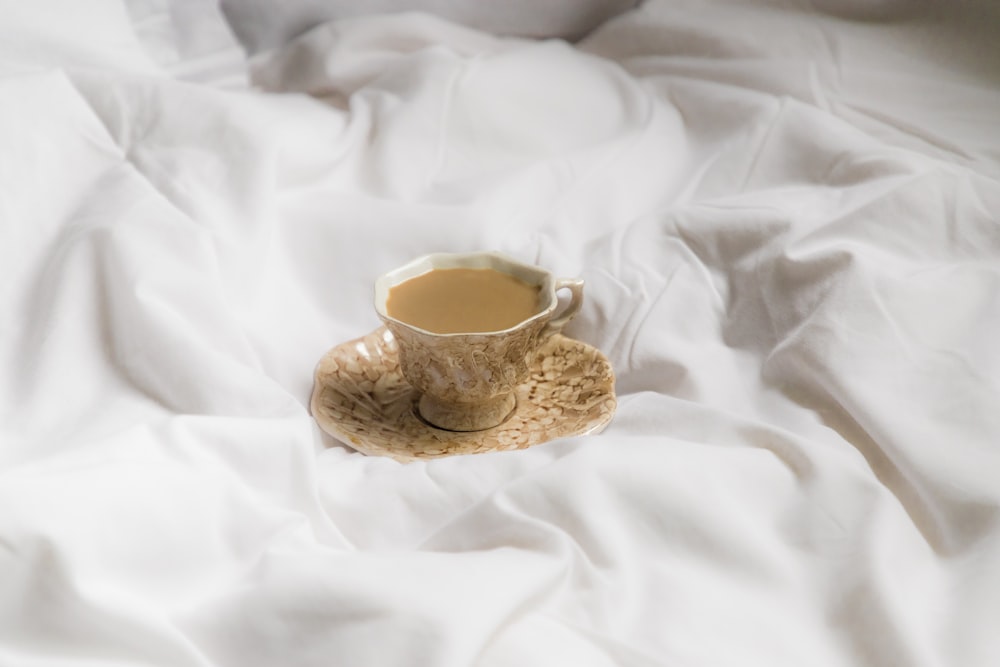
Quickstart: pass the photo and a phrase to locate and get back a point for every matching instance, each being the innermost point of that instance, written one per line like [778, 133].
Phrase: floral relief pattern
[469, 366]
[361, 398]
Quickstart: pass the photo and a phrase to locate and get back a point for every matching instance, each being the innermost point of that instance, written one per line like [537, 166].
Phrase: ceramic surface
[469, 369]
[467, 380]
[361, 398]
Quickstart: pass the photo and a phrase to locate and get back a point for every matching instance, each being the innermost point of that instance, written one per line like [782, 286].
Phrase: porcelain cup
[467, 380]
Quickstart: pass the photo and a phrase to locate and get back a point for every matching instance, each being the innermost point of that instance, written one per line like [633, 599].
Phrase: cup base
[466, 416]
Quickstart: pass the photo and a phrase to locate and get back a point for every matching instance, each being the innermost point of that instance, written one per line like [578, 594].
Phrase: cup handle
[575, 286]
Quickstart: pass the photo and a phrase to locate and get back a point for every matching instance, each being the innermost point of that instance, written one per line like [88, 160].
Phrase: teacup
[467, 380]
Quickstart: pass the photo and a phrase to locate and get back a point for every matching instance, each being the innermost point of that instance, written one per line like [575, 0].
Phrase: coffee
[463, 301]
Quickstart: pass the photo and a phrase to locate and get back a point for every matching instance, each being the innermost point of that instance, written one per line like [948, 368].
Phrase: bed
[787, 217]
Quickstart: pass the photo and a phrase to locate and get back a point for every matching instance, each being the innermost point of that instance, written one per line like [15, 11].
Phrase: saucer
[361, 398]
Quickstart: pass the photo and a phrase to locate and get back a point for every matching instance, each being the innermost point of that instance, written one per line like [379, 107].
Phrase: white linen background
[787, 221]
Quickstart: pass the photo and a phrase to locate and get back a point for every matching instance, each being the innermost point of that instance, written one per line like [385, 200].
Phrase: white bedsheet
[789, 223]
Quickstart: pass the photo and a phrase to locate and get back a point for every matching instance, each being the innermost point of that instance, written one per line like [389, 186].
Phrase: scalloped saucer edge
[361, 398]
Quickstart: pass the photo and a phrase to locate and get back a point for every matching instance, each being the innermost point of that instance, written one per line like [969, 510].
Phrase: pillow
[266, 24]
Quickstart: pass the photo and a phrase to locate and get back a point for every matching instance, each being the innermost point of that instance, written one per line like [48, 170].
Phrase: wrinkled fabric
[263, 25]
[787, 218]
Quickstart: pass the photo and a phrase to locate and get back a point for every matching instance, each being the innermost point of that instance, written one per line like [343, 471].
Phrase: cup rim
[476, 260]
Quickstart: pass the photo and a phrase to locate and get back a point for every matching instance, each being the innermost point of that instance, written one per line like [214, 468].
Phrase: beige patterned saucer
[361, 398]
